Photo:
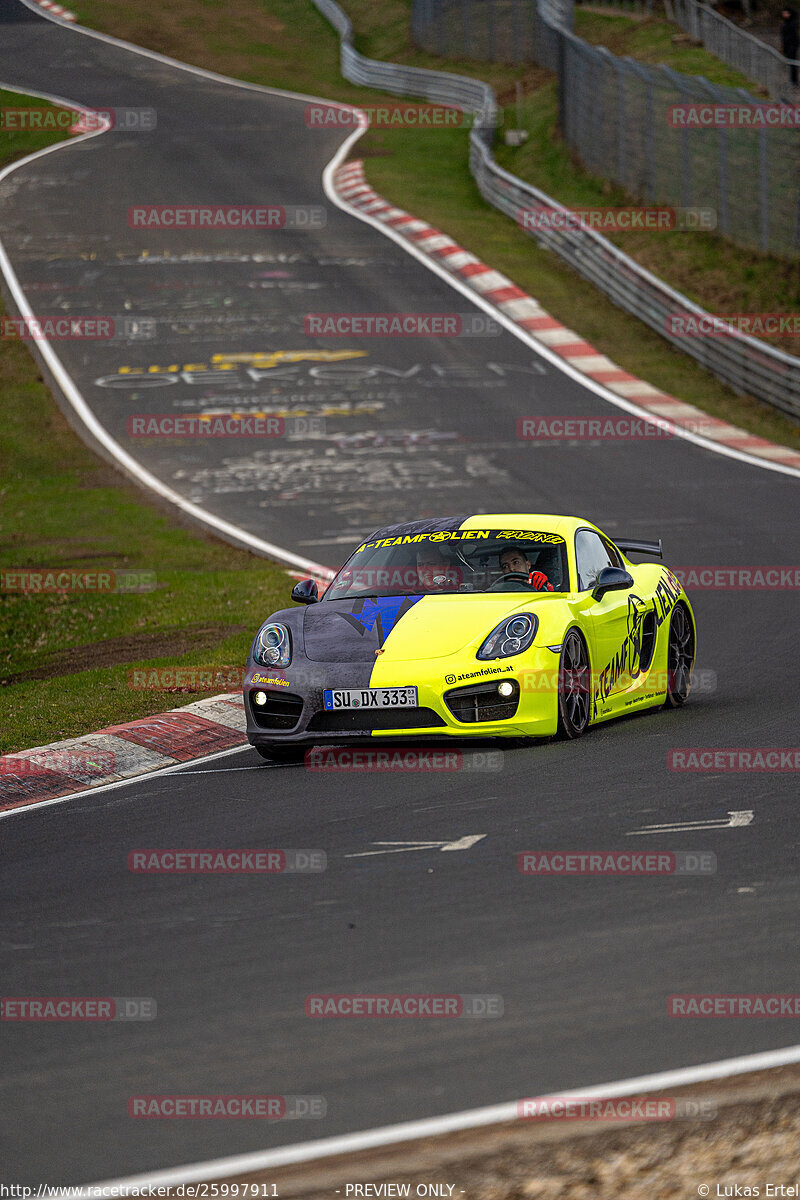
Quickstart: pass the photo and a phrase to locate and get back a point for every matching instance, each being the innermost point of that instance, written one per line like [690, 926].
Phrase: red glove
[540, 581]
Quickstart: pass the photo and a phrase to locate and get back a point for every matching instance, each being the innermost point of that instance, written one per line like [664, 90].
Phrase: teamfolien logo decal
[477, 674]
[380, 614]
[628, 659]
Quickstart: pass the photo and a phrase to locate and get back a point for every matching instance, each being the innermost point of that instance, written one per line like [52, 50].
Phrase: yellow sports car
[509, 625]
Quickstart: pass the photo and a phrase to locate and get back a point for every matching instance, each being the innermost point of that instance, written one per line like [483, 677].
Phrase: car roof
[545, 522]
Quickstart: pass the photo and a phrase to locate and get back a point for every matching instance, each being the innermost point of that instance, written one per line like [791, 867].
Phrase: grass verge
[654, 41]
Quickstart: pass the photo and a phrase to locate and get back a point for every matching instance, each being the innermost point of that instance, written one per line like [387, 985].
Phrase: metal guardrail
[748, 365]
[734, 46]
[470, 95]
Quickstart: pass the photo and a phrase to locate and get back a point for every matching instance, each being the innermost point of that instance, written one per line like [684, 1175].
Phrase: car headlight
[511, 636]
[273, 646]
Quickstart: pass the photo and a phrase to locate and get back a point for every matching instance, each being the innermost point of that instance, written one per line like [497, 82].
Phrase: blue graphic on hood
[352, 630]
[381, 613]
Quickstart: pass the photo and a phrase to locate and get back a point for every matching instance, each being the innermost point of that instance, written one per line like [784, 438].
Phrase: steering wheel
[512, 576]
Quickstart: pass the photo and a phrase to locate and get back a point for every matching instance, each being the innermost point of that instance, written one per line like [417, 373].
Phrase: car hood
[407, 627]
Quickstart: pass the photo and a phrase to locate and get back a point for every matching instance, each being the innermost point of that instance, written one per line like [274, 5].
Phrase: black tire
[282, 754]
[574, 691]
[680, 657]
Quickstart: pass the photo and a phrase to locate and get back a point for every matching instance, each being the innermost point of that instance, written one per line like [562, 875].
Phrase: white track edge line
[170, 769]
[387, 1135]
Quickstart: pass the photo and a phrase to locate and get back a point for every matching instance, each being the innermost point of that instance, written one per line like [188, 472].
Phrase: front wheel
[282, 754]
[680, 657]
[573, 686]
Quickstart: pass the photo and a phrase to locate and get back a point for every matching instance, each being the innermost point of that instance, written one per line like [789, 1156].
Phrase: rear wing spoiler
[639, 547]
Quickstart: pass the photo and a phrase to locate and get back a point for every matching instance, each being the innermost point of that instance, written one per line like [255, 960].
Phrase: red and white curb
[122, 751]
[352, 187]
[89, 122]
[56, 10]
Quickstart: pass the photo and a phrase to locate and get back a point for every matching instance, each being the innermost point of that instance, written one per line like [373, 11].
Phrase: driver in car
[514, 561]
[435, 572]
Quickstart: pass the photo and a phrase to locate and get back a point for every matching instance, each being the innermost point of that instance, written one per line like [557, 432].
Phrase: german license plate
[402, 697]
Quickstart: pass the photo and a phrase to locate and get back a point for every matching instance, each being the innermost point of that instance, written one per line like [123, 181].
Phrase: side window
[591, 555]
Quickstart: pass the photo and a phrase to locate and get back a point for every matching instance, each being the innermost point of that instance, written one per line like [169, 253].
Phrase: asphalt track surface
[584, 966]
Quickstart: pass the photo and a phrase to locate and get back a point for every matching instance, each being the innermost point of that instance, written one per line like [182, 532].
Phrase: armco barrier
[749, 366]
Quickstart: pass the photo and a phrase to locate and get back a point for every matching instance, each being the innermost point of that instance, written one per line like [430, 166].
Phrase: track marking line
[145, 777]
[463, 843]
[388, 1135]
[734, 820]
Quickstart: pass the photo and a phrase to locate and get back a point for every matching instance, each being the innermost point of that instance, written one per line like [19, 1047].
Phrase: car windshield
[460, 560]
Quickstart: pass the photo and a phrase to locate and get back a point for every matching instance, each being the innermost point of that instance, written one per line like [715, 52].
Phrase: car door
[611, 623]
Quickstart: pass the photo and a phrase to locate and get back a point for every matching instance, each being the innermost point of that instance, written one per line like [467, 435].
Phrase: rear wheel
[680, 657]
[284, 754]
[573, 686]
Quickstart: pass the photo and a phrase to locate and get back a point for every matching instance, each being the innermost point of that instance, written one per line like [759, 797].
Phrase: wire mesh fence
[736, 47]
[508, 31]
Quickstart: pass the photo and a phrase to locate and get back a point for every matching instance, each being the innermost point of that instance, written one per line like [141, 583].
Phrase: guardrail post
[763, 189]
[648, 190]
[561, 52]
[590, 152]
[620, 120]
[722, 162]
[679, 83]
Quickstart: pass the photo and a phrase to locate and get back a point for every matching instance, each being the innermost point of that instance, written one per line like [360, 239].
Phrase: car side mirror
[610, 579]
[305, 592]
